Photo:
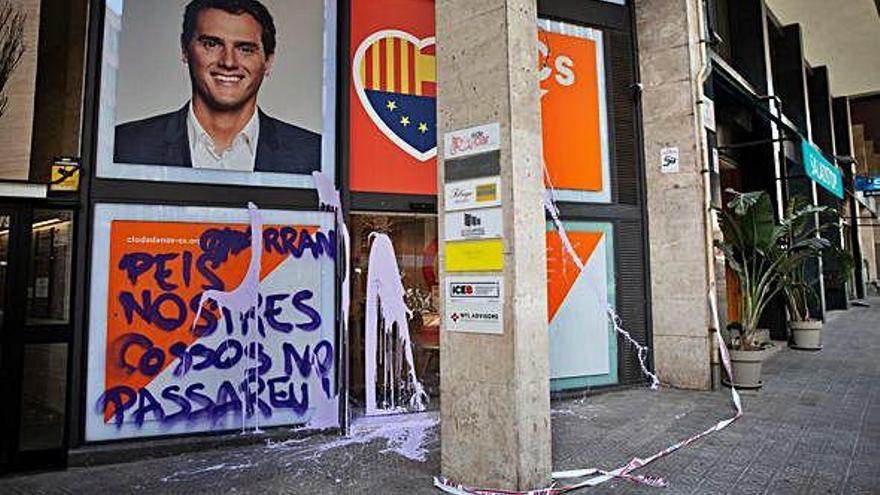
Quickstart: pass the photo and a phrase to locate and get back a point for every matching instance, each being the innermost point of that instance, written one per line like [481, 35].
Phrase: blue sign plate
[868, 184]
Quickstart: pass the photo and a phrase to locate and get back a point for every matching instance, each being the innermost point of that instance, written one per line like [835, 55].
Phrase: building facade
[138, 303]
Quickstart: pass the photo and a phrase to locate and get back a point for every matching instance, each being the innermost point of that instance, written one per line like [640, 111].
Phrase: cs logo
[558, 66]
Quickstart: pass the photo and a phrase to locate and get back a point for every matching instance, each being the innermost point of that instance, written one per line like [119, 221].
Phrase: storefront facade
[777, 128]
[139, 304]
[40, 237]
[602, 202]
[195, 324]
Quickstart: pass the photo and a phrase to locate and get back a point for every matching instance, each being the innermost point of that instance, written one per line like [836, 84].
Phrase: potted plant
[760, 251]
[749, 229]
[805, 330]
[796, 288]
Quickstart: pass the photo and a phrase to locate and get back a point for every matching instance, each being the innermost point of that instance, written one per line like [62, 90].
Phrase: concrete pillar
[668, 57]
[495, 399]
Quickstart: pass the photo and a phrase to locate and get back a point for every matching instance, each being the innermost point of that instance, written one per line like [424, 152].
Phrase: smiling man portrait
[229, 49]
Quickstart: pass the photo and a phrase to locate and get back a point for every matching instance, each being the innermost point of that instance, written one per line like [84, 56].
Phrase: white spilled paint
[642, 351]
[328, 197]
[180, 475]
[245, 299]
[385, 299]
[384, 294]
[194, 473]
[408, 436]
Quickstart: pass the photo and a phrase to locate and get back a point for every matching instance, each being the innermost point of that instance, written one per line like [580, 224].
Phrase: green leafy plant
[846, 264]
[802, 238]
[799, 293]
[762, 251]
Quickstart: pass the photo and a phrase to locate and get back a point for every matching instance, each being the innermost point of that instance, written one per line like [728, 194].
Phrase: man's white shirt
[241, 155]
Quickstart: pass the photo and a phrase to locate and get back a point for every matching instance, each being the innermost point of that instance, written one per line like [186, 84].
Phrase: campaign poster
[393, 94]
[163, 361]
[218, 92]
[573, 111]
[583, 346]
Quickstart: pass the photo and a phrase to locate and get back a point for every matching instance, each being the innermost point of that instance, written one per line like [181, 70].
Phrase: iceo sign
[476, 290]
[820, 170]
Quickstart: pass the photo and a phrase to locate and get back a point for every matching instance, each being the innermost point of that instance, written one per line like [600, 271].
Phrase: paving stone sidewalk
[814, 428]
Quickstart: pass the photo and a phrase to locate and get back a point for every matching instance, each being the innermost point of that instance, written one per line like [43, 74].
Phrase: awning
[743, 92]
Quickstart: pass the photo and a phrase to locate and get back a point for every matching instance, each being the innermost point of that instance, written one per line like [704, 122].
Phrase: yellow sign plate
[65, 177]
[475, 256]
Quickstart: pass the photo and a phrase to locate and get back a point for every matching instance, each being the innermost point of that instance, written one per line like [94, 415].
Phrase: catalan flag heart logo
[395, 78]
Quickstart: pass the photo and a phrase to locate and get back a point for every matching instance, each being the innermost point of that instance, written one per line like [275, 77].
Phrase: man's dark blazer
[163, 140]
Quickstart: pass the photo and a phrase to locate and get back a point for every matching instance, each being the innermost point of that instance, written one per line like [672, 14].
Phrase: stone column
[495, 399]
[668, 54]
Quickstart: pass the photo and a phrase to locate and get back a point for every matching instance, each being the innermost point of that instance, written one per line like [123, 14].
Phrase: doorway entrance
[414, 238]
[36, 266]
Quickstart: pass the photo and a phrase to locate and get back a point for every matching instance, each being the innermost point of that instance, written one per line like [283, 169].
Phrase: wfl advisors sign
[474, 304]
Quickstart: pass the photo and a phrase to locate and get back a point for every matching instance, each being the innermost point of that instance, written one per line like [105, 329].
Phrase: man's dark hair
[235, 7]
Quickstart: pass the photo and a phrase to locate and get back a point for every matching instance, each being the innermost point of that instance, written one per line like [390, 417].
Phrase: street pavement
[813, 428]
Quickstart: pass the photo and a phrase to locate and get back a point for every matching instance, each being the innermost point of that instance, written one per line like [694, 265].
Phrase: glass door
[396, 370]
[7, 218]
[36, 256]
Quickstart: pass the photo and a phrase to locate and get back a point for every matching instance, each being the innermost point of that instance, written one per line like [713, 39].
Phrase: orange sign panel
[393, 94]
[570, 110]
[177, 281]
[562, 272]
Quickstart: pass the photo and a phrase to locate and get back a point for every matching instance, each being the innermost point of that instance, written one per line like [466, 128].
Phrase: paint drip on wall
[385, 304]
[328, 197]
[243, 299]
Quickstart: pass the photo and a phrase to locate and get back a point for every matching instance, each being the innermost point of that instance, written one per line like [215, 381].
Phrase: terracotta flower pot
[806, 335]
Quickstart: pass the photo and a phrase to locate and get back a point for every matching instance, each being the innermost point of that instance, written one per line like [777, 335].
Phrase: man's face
[226, 58]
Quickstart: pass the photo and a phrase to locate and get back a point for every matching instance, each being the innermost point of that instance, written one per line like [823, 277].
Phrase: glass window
[573, 110]
[583, 344]
[43, 396]
[48, 291]
[4, 260]
[4, 269]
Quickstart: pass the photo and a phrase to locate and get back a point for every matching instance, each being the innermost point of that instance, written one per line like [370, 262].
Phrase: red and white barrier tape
[623, 472]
